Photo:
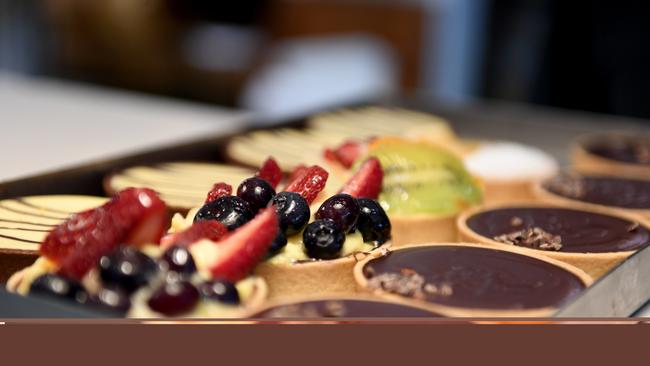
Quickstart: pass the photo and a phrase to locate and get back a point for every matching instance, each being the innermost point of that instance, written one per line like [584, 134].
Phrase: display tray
[549, 129]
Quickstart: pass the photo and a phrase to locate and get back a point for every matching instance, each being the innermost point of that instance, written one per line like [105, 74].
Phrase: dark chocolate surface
[347, 308]
[610, 191]
[627, 150]
[581, 231]
[482, 277]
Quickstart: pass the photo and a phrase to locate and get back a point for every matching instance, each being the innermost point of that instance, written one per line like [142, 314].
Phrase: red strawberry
[206, 229]
[347, 153]
[366, 182]
[133, 216]
[297, 172]
[310, 183]
[235, 257]
[270, 172]
[219, 190]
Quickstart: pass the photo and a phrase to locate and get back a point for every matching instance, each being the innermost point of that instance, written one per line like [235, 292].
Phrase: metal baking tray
[549, 129]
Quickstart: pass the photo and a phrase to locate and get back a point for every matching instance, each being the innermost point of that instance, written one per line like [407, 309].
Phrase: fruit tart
[25, 222]
[319, 239]
[592, 239]
[472, 280]
[109, 258]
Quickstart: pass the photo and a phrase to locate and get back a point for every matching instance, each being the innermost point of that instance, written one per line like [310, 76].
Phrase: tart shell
[461, 312]
[594, 264]
[409, 230]
[586, 162]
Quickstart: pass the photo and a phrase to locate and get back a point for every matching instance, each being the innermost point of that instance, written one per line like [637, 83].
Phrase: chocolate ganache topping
[345, 308]
[580, 231]
[607, 191]
[481, 277]
[629, 149]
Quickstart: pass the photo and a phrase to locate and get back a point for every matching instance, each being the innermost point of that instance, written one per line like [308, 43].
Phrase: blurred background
[283, 57]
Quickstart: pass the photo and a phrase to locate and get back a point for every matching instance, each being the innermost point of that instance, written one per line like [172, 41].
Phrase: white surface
[506, 160]
[48, 125]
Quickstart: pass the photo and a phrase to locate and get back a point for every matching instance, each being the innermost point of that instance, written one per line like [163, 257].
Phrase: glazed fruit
[233, 212]
[309, 183]
[257, 192]
[270, 172]
[220, 290]
[373, 223]
[174, 298]
[323, 239]
[347, 153]
[293, 212]
[367, 181]
[297, 172]
[127, 268]
[52, 285]
[178, 259]
[207, 229]
[112, 299]
[342, 209]
[235, 256]
[133, 216]
[278, 243]
[219, 190]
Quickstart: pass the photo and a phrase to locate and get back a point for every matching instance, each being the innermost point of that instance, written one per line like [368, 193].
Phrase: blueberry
[178, 259]
[373, 222]
[342, 209]
[174, 298]
[127, 268]
[220, 290]
[257, 192]
[112, 299]
[278, 243]
[52, 285]
[233, 212]
[293, 212]
[323, 239]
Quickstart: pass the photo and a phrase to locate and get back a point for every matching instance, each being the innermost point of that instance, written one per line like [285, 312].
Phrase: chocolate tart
[357, 306]
[622, 194]
[26, 221]
[472, 280]
[182, 185]
[594, 240]
[612, 154]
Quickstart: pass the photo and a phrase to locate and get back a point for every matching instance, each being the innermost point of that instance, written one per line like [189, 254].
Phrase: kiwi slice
[421, 178]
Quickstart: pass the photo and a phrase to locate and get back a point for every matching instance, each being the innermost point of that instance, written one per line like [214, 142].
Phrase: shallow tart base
[594, 264]
[323, 277]
[457, 311]
[585, 161]
[408, 230]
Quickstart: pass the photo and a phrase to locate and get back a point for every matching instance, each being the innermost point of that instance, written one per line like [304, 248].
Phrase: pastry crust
[322, 278]
[586, 162]
[410, 230]
[544, 195]
[595, 264]
[515, 190]
[460, 312]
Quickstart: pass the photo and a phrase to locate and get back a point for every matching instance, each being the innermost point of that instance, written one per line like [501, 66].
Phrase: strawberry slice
[346, 153]
[310, 183]
[133, 216]
[298, 171]
[206, 229]
[366, 182]
[219, 190]
[234, 257]
[270, 172]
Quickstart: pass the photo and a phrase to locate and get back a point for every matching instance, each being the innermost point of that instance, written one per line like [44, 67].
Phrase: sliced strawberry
[133, 216]
[347, 153]
[206, 229]
[310, 183]
[366, 182]
[270, 172]
[235, 256]
[297, 172]
[219, 190]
